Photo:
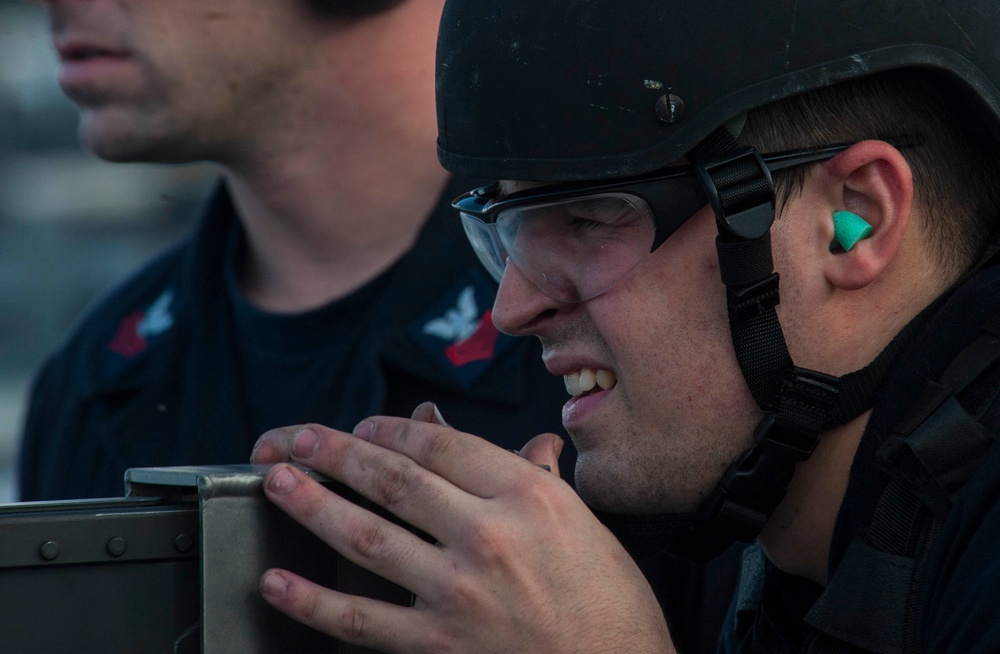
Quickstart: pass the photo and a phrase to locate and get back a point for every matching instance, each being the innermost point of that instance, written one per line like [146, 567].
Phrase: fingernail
[282, 482]
[365, 430]
[557, 446]
[261, 448]
[305, 443]
[438, 417]
[274, 585]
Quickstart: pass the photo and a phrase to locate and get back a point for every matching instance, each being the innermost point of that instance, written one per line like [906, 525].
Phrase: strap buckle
[759, 479]
[740, 190]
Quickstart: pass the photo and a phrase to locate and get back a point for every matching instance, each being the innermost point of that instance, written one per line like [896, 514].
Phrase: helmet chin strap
[798, 405]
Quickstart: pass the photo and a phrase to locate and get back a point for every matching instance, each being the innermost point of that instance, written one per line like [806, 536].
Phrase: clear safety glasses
[576, 240]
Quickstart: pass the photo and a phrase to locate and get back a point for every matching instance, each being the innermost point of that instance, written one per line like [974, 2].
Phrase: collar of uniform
[431, 283]
[439, 325]
[187, 278]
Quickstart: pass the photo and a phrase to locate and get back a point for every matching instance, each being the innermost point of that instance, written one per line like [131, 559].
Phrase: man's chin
[604, 495]
[107, 140]
[119, 146]
[625, 494]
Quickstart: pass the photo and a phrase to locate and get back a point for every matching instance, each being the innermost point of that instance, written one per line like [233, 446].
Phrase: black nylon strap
[894, 529]
[752, 296]
[950, 461]
[747, 269]
[939, 432]
[758, 340]
[858, 388]
[745, 261]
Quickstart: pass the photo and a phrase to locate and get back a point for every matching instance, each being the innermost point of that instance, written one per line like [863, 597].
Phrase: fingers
[459, 460]
[544, 450]
[364, 538]
[490, 583]
[274, 446]
[370, 623]
[467, 461]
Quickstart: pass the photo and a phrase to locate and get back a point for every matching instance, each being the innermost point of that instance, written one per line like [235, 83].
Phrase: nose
[520, 308]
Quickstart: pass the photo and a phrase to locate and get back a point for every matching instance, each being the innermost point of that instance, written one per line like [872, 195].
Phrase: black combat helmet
[599, 89]
[549, 90]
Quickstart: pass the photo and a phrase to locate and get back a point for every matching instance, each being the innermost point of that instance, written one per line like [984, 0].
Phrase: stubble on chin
[655, 480]
[122, 137]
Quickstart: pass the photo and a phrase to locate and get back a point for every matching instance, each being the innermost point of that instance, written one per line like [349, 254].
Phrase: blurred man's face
[178, 80]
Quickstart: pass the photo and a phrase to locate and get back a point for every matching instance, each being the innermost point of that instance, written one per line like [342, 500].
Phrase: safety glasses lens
[575, 249]
[484, 242]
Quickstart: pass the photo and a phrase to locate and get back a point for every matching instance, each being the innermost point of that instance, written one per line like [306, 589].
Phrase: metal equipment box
[172, 567]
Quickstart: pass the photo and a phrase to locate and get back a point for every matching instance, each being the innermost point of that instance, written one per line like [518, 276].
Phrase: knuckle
[486, 539]
[331, 454]
[462, 592]
[369, 541]
[440, 641]
[307, 605]
[536, 490]
[438, 447]
[353, 621]
[392, 482]
[310, 504]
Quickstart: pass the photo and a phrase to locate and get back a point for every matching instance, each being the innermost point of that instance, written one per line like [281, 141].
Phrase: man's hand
[520, 563]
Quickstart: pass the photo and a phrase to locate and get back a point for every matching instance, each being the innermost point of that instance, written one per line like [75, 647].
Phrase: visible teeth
[572, 384]
[585, 380]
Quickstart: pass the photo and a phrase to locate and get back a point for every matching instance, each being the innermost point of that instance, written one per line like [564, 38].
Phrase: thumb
[544, 450]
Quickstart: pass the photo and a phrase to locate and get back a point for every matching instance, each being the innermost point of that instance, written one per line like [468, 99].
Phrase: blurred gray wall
[71, 226]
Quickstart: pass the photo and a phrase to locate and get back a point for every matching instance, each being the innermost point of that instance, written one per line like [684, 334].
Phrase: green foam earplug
[849, 228]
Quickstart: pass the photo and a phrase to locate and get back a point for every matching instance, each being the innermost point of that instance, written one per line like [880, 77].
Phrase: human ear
[873, 181]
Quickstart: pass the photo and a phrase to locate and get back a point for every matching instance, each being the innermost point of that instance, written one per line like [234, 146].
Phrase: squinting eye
[605, 211]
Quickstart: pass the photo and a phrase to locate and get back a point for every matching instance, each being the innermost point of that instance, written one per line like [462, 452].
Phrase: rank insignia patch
[458, 330]
[134, 330]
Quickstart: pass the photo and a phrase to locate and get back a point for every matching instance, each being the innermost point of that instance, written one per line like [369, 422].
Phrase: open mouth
[81, 53]
[587, 381]
[84, 55]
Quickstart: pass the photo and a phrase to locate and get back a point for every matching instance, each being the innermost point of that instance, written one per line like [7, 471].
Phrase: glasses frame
[486, 204]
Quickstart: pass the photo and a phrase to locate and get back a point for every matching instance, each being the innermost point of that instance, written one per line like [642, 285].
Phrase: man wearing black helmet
[328, 279]
[660, 167]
